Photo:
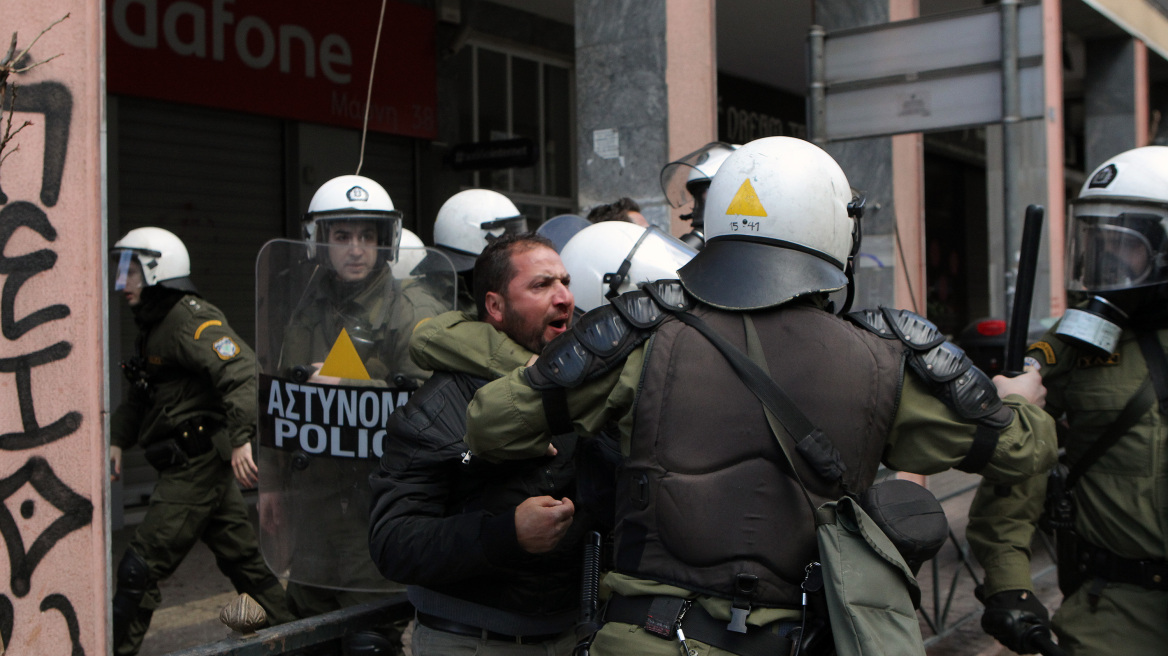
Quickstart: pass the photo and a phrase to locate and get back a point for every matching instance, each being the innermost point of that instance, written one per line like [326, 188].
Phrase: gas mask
[1096, 327]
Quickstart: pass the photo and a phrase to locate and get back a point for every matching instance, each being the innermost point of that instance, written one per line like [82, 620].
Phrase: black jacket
[445, 521]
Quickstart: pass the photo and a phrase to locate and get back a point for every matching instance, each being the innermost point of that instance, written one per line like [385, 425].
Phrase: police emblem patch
[225, 348]
[1103, 177]
[357, 193]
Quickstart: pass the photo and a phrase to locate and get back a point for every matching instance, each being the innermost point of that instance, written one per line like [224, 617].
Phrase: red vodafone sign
[298, 59]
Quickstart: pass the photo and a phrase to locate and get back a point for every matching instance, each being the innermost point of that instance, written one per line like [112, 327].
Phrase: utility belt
[191, 439]
[1096, 563]
[674, 618]
[458, 628]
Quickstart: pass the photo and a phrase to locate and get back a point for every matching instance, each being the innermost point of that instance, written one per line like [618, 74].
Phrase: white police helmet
[162, 256]
[469, 219]
[352, 198]
[1118, 237]
[411, 252]
[613, 257]
[778, 225]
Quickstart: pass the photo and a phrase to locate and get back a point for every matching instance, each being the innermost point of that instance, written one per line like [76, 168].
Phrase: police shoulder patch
[225, 348]
[1046, 349]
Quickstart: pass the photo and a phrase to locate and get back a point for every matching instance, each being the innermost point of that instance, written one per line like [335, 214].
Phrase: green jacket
[1122, 501]
[506, 421]
[197, 367]
[379, 318]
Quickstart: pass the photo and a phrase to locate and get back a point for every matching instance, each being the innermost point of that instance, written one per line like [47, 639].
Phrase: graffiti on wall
[28, 536]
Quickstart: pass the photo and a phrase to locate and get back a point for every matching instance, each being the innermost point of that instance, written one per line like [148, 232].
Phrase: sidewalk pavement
[193, 597]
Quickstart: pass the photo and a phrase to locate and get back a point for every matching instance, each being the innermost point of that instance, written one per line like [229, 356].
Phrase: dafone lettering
[186, 25]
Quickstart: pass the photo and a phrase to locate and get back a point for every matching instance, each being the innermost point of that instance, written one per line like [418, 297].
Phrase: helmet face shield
[124, 260]
[511, 225]
[701, 164]
[1115, 252]
[659, 253]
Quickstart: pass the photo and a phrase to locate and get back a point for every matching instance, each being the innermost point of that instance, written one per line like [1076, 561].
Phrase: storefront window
[516, 95]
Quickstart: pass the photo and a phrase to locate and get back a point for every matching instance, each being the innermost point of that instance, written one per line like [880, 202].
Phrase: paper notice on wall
[606, 143]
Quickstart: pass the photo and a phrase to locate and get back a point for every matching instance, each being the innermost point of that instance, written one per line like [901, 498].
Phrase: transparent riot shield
[332, 343]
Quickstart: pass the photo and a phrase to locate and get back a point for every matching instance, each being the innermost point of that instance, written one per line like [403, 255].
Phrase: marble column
[632, 111]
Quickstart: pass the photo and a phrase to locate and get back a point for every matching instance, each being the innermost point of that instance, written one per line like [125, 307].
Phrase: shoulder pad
[951, 376]
[598, 341]
[942, 363]
[602, 330]
[917, 332]
[873, 321]
[974, 396]
[639, 309]
[670, 295]
[563, 363]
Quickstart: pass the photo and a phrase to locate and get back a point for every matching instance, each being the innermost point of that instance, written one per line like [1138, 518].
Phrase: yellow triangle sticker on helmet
[343, 361]
[746, 202]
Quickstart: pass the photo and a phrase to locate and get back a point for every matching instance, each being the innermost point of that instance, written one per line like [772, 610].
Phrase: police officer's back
[712, 534]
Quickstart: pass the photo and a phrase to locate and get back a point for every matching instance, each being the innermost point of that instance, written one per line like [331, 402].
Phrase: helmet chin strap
[615, 280]
[856, 210]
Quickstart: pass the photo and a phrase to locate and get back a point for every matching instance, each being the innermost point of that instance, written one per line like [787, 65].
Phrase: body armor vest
[706, 496]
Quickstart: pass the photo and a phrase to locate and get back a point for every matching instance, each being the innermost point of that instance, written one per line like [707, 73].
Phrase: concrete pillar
[645, 93]
[54, 598]
[1116, 79]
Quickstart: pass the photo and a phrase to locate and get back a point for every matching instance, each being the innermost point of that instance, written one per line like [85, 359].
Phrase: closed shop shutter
[389, 160]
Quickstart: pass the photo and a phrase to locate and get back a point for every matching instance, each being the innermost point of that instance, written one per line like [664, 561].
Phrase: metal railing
[938, 619]
[310, 632]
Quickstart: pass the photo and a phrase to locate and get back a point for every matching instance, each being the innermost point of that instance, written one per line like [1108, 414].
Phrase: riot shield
[332, 344]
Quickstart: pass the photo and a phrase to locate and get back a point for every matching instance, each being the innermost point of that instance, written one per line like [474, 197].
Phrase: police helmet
[779, 223]
[162, 256]
[470, 219]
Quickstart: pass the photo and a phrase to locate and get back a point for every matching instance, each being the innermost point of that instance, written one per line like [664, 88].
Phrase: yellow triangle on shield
[343, 361]
[746, 202]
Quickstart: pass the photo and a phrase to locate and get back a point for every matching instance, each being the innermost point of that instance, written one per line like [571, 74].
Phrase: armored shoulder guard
[601, 339]
[948, 372]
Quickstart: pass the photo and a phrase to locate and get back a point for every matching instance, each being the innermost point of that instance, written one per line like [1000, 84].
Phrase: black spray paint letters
[16, 271]
[76, 512]
[54, 101]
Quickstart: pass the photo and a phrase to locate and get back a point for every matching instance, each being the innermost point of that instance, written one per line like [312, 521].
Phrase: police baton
[1019, 327]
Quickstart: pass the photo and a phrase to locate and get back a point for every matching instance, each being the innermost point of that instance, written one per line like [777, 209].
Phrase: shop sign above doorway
[296, 59]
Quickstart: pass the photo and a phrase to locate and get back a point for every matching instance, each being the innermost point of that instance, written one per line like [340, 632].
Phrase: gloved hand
[1016, 618]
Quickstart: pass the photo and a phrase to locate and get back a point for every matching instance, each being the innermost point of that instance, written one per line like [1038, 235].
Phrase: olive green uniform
[200, 375]
[379, 317]
[1122, 500]
[506, 421]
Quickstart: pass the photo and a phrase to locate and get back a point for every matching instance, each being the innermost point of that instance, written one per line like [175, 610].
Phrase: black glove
[1017, 619]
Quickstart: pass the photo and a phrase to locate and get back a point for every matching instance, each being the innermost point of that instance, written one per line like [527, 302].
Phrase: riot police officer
[466, 223]
[688, 180]
[191, 406]
[713, 535]
[1104, 367]
[346, 335]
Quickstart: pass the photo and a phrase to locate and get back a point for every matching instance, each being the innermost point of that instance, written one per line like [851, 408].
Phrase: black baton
[1019, 328]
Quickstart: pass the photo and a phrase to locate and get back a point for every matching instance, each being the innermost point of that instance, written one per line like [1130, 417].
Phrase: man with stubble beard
[490, 552]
